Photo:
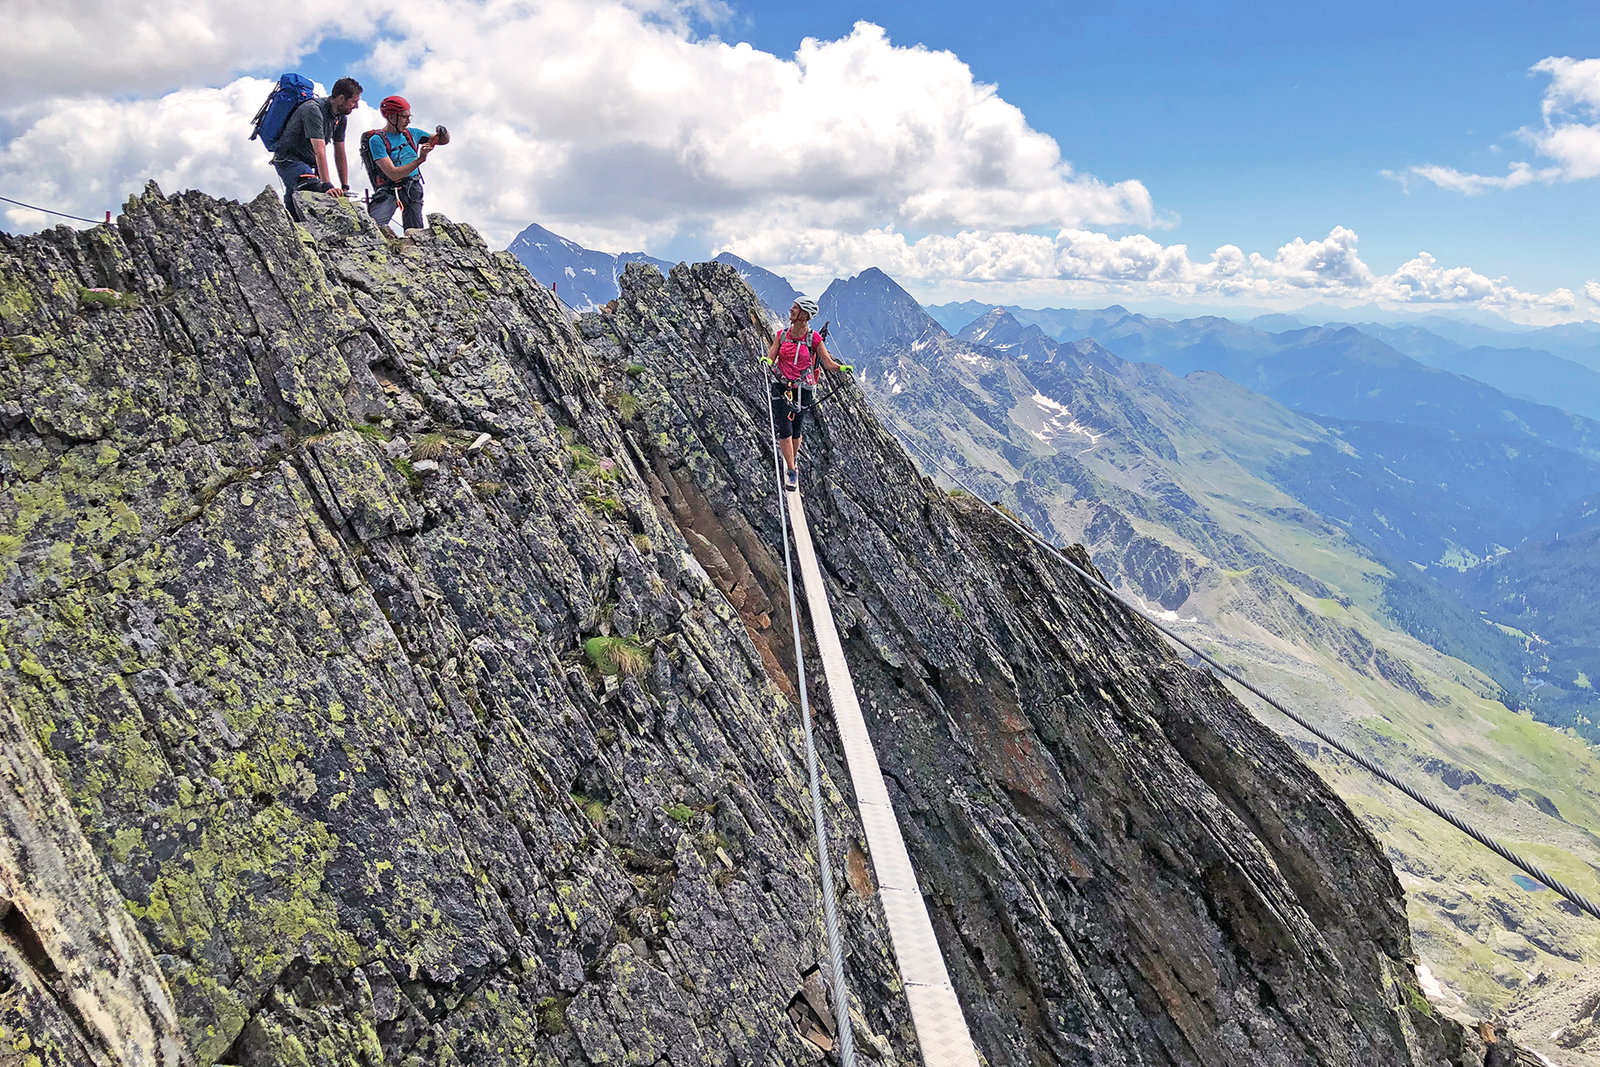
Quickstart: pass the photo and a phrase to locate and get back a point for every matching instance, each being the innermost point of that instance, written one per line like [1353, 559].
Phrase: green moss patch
[594, 810]
[625, 404]
[409, 473]
[431, 447]
[617, 656]
[551, 1013]
[106, 298]
[586, 463]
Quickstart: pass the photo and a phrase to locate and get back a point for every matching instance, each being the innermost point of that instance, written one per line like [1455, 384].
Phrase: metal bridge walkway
[941, 1027]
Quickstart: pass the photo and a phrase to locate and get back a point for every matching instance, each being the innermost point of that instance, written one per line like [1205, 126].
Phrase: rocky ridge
[399, 651]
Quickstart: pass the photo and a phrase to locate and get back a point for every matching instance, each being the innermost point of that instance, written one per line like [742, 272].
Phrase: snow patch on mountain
[1049, 420]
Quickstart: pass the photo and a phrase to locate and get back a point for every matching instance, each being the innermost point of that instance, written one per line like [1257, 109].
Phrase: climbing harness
[830, 916]
[838, 383]
[792, 389]
[942, 1033]
[1098, 585]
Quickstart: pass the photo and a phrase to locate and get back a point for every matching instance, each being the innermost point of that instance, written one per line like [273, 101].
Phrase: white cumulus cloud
[58, 48]
[1569, 138]
[622, 124]
[612, 119]
[1086, 260]
[598, 112]
[1329, 264]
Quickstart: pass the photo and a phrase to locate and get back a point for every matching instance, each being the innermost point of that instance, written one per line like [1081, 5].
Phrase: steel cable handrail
[830, 914]
[62, 214]
[1099, 585]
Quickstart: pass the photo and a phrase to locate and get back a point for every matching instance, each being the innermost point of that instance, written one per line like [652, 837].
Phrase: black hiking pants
[789, 415]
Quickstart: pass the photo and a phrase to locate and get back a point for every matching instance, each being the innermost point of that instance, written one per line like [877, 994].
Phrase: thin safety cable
[47, 211]
[830, 916]
[1531, 869]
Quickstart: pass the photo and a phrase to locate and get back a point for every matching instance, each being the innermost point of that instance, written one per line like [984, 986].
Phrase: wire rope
[1099, 585]
[830, 914]
[62, 214]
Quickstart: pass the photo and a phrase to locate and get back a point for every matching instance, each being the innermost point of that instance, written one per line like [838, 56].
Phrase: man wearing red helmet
[397, 153]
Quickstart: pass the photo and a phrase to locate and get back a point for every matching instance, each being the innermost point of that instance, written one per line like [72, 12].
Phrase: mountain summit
[582, 277]
[999, 330]
[870, 310]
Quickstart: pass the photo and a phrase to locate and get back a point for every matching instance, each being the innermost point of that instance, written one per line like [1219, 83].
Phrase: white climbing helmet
[806, 304]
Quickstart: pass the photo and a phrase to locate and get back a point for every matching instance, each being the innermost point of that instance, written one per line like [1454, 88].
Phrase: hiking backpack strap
[389, 150]
[369, 161]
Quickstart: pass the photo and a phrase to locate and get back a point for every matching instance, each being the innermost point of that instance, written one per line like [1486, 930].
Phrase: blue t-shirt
[398, 148]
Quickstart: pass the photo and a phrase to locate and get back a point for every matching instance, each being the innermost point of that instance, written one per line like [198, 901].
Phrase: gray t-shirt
[313, 119]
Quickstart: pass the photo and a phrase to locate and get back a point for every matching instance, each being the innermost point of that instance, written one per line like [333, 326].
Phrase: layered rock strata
[401, 653]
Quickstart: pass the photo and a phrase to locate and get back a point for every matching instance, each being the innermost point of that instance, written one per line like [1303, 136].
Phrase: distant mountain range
[1329, 369]
[580, 276]
[1576, 341]
[586, 279]
[1429, 469]
[1421, 465]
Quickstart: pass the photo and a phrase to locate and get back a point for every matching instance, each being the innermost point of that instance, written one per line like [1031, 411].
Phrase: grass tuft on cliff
[617, 656]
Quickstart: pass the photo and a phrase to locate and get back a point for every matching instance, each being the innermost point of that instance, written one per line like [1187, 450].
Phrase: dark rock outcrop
[405, 653]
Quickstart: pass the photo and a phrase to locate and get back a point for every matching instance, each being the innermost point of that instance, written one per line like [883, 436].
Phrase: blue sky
[1226, 154]
[1257, 122]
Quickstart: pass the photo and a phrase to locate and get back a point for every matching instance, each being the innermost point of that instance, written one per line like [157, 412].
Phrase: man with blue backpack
[300, 145]
[393, 157]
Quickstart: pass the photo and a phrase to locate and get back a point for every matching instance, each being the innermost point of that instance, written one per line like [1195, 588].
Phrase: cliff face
[307, 535]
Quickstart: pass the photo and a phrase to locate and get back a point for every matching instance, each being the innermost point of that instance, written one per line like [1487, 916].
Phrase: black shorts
[788, 402]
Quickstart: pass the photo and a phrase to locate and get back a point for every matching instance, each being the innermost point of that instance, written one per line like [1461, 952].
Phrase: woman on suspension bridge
[794, 356]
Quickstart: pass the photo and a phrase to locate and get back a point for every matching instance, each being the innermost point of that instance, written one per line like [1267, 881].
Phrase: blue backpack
[290, 92]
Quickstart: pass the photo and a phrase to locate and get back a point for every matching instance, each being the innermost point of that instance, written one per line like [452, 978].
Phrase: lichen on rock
[329, 731]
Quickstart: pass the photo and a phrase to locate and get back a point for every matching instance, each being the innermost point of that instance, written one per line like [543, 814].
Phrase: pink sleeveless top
[797, 360]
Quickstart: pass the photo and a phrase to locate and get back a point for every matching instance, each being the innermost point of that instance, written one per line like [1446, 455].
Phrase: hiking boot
[792, 479]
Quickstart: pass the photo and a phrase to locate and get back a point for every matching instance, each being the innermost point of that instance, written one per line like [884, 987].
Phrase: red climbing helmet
[394, 105]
